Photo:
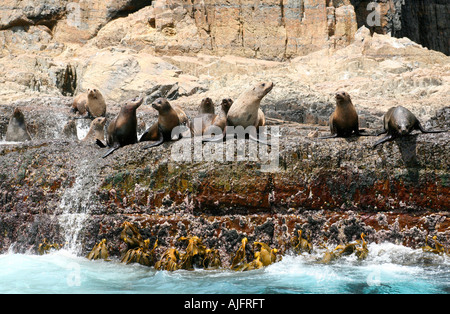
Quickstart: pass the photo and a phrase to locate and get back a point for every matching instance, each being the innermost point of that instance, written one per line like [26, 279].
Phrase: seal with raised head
[245, 110]
[17, 128]
[399, 121]
[90, 104]
[206, 106]
[123, 129]
[169, 117]
[96, 130]
[204, 122]
[344, 120]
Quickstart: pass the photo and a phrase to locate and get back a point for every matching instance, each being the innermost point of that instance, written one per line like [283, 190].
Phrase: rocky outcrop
[421, 21]
[333, 190]
[185, 51]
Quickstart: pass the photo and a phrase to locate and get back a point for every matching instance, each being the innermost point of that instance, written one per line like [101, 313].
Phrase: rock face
[421, 21]
[333, 190]
[185, 51]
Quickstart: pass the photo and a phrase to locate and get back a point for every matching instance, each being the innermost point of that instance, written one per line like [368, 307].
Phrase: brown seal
[399, 121]
[17, 128]
[91, 103]
[245, 110]
[206, 106]
[95, 105]
[344, 120]
[204, 122]
[169, 117]
[96, 130]
[79, 104]
[123, 129]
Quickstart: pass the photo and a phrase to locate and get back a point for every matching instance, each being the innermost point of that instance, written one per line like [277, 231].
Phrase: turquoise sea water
[388, 269]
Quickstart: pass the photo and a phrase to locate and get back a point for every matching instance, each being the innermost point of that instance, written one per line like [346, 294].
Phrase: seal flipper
[363, 132]
[158, 142]
[111, 150]
[385, 139]
[100, 143]
[381, 132]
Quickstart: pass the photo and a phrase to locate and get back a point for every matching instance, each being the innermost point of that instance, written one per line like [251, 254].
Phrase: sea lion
[90, 103]
[79, 104]
[95, 105]
[399, 121]
[123, 129]
[17, 128]
[246, 111]
[206, 106]
[204, 122]
[96, 130]
[344, 120]
[169, 117]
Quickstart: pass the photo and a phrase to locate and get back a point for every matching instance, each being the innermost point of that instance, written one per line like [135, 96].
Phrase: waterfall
[76, 204]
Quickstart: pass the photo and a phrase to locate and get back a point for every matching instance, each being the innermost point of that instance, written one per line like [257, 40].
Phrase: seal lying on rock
[246, 111]
[399, 121]
[123, 129]
[17, 128]
[204, 122]
[344, 120]
[169, 117]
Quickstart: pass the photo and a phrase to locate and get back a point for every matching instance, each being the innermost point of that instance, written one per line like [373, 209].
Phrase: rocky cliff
[188, 50]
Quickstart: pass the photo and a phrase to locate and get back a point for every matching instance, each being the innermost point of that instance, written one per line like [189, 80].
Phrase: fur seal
[204, 122]
[245, 110]
[344, 120]
[17, 128]
[123, 129]
[79, 104]
[96, 130]
[169, 117]
[91, 103]
[206, 106]
[399, 121]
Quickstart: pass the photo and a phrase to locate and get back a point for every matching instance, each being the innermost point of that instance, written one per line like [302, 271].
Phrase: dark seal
[399, 121]
[344, 121]
[122, 130]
